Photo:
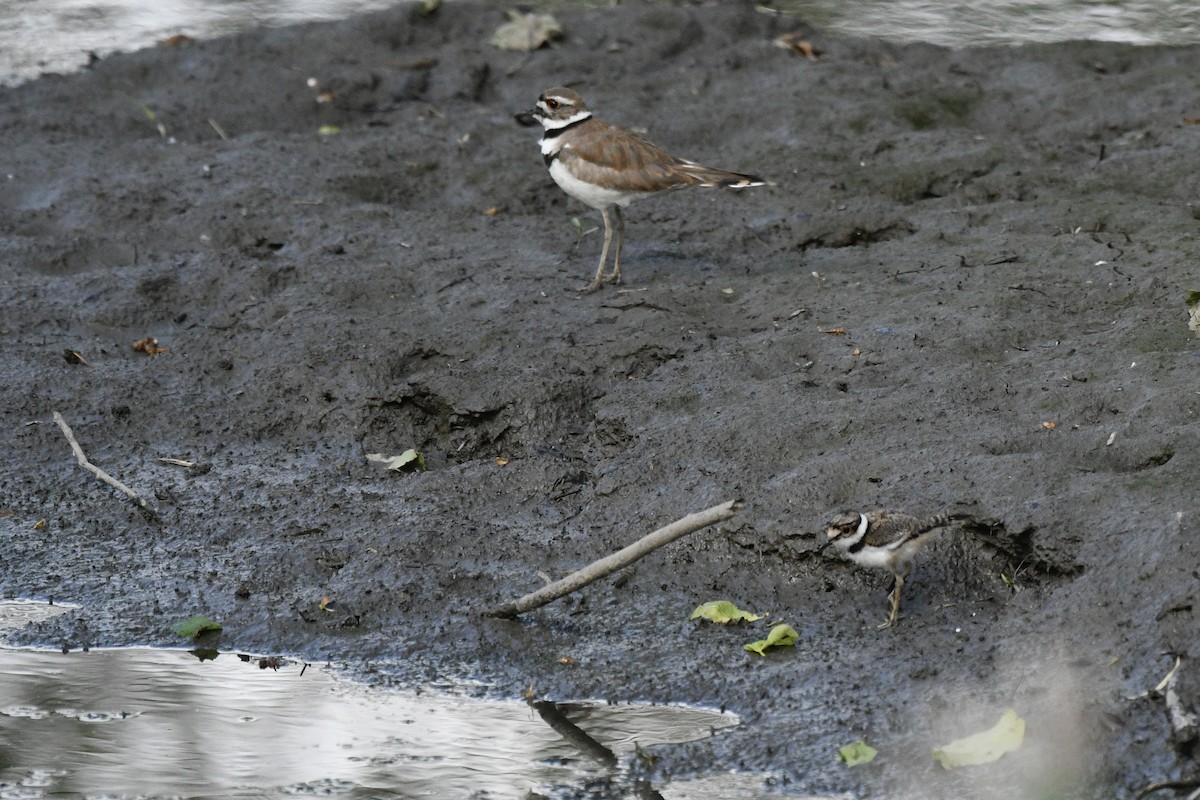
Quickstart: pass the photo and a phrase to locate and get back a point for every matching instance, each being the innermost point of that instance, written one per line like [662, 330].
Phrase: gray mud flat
[1005, 236]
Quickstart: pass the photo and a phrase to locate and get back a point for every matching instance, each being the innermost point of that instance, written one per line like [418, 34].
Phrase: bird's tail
[708, 176]
[942, 520]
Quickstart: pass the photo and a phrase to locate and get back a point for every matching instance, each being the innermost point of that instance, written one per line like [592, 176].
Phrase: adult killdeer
[885, 540]
[607, 167]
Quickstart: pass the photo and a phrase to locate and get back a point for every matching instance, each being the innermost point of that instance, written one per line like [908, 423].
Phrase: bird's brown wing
[612, 156]
[889, 528]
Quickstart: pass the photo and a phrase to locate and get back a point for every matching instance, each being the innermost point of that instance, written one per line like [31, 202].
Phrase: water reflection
[159, 723]
[57, 35]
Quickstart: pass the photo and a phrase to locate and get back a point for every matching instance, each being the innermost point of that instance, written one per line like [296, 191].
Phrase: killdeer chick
[607, 167]
[885, 540]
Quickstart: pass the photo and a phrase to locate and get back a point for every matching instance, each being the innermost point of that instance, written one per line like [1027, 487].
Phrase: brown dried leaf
[149, 346]
[1049, 425]
[75, 357]
[838, 331]
[803, 47]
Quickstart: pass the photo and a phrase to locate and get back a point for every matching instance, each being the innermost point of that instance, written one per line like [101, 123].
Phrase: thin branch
[622, 558]
[99, 473]
[581, 740]
[1186, 783]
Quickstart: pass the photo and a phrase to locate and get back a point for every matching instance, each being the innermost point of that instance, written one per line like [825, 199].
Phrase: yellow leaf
[858, 753]
[986, 746]
[723, 611]
[780, 636]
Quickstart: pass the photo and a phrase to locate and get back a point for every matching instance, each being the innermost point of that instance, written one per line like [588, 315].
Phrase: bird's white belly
[589, 193]
[876, 558]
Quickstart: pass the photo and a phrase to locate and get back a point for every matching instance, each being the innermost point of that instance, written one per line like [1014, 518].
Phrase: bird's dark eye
[552, 103]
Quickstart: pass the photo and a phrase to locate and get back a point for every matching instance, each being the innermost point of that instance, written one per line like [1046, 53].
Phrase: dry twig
[622, 558]
[99, 473]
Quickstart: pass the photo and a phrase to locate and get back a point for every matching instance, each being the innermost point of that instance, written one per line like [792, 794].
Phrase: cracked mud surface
[1006, 237]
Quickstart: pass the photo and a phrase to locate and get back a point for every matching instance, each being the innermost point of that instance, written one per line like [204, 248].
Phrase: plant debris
[858, 753]
[410, 459]
[780, 636]
[986, 746]
[149, 346]
[723, 612]
[192, 627]
[803, 47]
[525, 33]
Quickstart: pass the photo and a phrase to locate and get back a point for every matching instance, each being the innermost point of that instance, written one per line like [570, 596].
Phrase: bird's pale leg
[895, 598]
[614, 277]
[600, 280]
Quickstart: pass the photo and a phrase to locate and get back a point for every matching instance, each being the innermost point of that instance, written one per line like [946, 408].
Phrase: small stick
[99, 473]
[622, 558]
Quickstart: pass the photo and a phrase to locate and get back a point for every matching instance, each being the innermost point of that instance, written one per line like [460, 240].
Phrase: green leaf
[328, 130]
[723, 611]
[984, 747]
[409, 459]
[780, 636]
[192, 627]
[858, 753]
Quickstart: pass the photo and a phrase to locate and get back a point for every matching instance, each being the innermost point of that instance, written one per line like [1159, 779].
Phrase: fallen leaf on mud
[723, 611]
[192, 627]
[176, 40]
[409, 459]
[793, 42]
[493, 211]
[326, 96]
[526, 32]
[1193, 307]
[1048, 425]
[984, 747]
[566, 660]
[1191, 120]
[328, 130]
[75, 357]
[149, 346]
[858, 753]
[326, 604]
[500, 462]
[856, 351]
[427, 7]
[838, 331]
[780, 636]
[39, 525]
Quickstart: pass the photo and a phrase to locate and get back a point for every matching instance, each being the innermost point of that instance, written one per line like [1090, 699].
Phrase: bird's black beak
[526, 118]
[821, 549]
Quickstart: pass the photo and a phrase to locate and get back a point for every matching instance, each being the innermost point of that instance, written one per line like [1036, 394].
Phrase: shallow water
[57, 35]
[154, 723]
[162, 723]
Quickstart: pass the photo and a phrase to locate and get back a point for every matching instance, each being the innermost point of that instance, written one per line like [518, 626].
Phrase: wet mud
[966, 292]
